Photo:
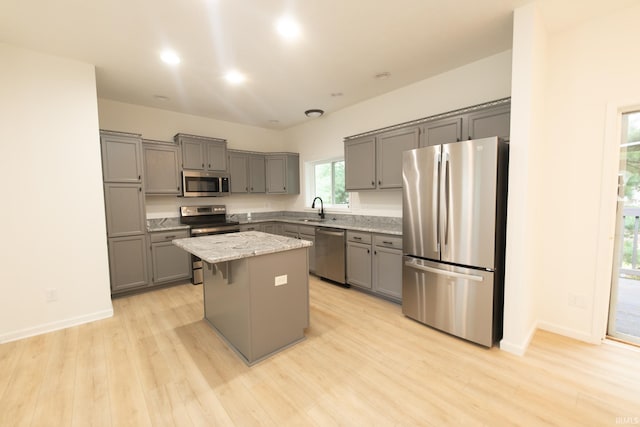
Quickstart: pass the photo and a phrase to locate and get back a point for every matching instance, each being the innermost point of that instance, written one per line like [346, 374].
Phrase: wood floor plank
[157, 362]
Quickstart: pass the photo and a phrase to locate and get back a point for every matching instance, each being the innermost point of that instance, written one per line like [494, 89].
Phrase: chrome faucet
[313, 206]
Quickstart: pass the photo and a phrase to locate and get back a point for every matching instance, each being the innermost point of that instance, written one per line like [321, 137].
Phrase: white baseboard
[519, 349]
[55, 326]
[571, 333]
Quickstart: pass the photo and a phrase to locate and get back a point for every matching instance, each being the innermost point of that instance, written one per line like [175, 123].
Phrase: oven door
[202, 184]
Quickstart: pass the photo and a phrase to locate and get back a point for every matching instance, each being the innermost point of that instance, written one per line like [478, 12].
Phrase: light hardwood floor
[363, 363]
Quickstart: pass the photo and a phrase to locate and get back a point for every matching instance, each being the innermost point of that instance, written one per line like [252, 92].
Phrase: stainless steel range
[205, 221]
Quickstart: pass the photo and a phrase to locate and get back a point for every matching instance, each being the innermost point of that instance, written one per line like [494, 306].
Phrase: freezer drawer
[456, 300]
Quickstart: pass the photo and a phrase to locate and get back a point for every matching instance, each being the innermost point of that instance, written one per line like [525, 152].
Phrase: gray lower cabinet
[282, 173]
[387, 266]
[161, 170]
[121, 156]
[128, 265]
[169, 263]
[252, 227]
[374, 263]
[309, 234]
[359, 259]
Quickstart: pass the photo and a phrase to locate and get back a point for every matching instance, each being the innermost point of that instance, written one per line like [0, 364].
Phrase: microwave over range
[204, 184]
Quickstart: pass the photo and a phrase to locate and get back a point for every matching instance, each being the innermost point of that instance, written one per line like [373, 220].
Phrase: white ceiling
[343, 45]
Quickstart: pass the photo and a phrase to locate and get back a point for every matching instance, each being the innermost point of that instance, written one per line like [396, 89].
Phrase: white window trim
[310, 180]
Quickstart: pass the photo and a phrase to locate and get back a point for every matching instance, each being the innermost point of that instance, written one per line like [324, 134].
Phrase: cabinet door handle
[357, 238]
[169, 237]
[209, 165]
[139, 177]
[373, 183]
[387, 242]
[368, 251]
[375, 252]
[140, 189]
[379, 182]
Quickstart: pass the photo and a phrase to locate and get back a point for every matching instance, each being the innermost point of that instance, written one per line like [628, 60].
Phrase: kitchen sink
[310, 220]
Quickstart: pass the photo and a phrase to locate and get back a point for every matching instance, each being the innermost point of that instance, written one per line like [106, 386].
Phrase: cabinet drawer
[306, 229]
[388, 241]
[290, 228]
[167, 236]
[358, 237]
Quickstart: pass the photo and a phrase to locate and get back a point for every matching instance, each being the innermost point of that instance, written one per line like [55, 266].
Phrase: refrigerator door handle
[434, 202]
[447, 185]
[417, 266]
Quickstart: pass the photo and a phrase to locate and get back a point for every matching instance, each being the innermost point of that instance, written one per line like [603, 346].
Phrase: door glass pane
[624, 312]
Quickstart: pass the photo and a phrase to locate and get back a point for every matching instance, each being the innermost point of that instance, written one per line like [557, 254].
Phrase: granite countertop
[232, 246]
[346, 224]
[165, 224]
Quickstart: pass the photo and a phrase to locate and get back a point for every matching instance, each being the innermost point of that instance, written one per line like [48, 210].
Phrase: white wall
[593, 72]
[481, 81]
[53, 216]
[527, 136]
[162, 125]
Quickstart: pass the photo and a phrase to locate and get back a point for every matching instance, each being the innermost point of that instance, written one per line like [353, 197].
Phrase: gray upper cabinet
[488, 122]
[239, 172]
[360, 163]
[202, 153]
[283, 173]
[161, 170]
[389, 148]
[441, 131]
[121, 156]
[247, 172]
[124, 205]
[375, 162]
[257, 173]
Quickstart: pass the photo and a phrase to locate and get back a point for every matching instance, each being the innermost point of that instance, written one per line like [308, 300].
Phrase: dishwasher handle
[330, 232]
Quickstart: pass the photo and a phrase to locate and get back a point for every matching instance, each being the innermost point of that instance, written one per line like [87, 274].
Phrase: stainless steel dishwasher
[330, 259]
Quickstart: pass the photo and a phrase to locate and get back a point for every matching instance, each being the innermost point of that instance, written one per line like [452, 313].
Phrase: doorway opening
[624, 309]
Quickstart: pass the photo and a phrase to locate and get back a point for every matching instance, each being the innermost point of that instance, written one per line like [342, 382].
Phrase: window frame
[311, 184]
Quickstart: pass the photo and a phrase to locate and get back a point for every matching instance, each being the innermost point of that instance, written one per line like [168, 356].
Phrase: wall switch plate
[281, 280]
[51, 294]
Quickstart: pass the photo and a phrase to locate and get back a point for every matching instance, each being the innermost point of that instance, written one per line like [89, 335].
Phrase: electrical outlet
[281, 280]
[51, 294]
[578, 301]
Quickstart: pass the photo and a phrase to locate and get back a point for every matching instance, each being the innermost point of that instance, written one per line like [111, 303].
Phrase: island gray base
[260, 304]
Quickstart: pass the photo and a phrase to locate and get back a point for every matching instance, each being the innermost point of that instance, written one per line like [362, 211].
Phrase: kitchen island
[255, 290]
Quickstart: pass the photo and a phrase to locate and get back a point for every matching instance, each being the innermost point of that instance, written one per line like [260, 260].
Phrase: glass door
[624, 310]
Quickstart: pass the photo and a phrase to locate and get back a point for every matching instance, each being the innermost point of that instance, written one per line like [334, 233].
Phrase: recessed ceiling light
[161, 97]
[288, 28]
[170, 57]
[235, 77]
[382, 76]
[313, 113]
[273, 121]
[336, 94]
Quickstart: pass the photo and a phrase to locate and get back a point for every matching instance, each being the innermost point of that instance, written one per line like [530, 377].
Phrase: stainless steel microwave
[204, 184]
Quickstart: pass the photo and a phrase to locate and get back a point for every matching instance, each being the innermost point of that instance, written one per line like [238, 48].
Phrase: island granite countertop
[233, 246]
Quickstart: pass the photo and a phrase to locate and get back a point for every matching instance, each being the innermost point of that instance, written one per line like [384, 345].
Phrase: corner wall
[527, 138]
[593, 74]
[53, 217]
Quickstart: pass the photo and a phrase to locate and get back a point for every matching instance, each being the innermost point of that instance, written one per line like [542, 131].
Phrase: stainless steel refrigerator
[454, 224]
